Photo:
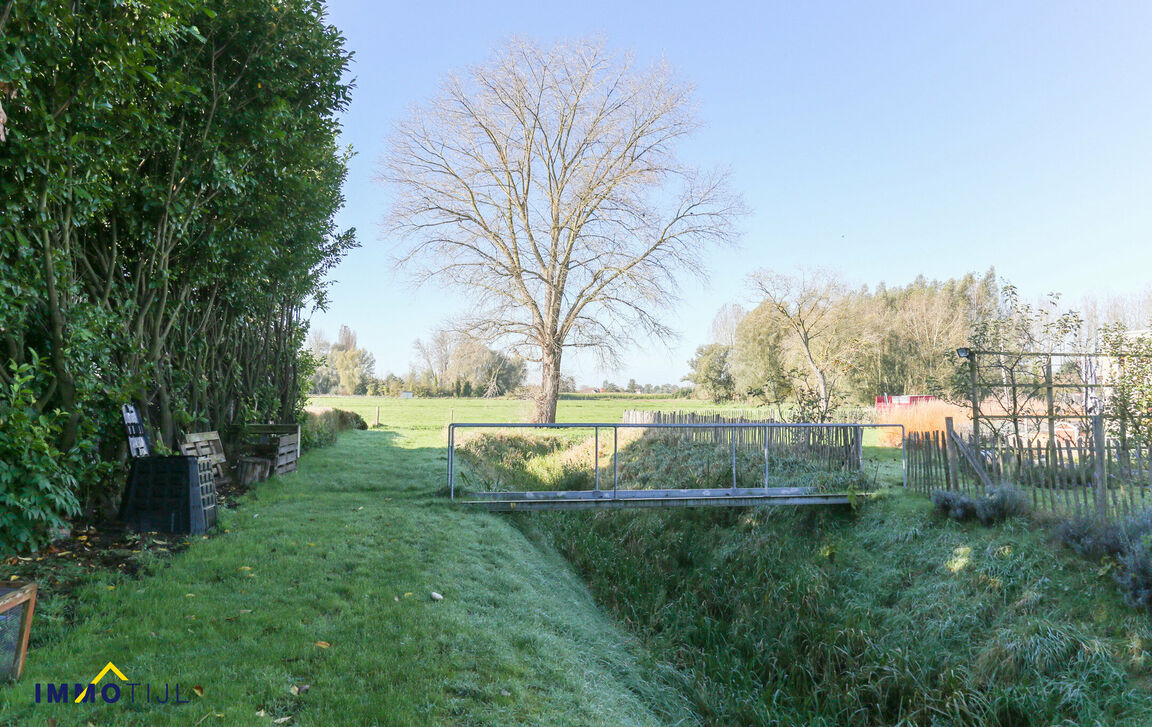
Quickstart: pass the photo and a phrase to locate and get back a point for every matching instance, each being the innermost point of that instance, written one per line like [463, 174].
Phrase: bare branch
[545, 183]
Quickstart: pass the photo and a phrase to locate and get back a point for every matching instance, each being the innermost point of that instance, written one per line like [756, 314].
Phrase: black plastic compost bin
[170, 495]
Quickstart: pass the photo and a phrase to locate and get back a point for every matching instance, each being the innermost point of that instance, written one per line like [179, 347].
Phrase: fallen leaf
[409, 593]
[245, 610]
[282, 720]
[198, 690]
[304, 688]
[244, 567]
[436, 596]
[323, 644]
[261, 713]
[505, 693]
[294, 689]
[189, 595]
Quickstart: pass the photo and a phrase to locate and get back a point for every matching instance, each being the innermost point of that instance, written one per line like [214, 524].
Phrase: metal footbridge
[603, 496]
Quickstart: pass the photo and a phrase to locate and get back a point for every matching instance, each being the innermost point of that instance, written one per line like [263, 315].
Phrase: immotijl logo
[110, 693]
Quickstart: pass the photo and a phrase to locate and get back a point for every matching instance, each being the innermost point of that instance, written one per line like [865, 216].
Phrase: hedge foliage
[171, 172]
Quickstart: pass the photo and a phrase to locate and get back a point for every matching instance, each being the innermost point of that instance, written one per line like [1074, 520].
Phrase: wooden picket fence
[1094, 476]
[831, 446]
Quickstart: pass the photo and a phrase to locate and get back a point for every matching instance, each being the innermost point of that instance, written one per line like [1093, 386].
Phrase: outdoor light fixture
[962, 352]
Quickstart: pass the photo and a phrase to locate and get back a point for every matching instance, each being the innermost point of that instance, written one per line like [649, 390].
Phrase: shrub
[1135, 574]
[955, 505]
[1000, 503]
[319, 428]
[37, 488]
[1093, 538]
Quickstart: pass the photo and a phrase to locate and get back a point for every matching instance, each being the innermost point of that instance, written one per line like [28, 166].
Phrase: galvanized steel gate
[602, 498]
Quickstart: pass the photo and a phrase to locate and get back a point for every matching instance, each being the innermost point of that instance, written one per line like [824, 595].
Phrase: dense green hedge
[171, 172]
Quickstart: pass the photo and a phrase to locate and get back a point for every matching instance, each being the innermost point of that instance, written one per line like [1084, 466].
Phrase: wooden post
[1099, 452]
[953, 471]
[1051, 424]
[378, 416]
[975, 399]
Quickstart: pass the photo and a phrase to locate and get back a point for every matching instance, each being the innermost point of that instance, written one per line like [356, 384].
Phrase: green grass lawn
[323, 579]
[882, 463]
[347, 552]
[440, 412]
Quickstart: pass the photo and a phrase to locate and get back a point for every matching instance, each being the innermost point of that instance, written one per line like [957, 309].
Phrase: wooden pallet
[278, 443]
[208, 445]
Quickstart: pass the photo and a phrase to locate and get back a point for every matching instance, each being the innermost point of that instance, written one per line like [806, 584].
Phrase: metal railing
[616, 492]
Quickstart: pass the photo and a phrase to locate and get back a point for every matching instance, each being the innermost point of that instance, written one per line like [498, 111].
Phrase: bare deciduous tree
[545, 183]
[726, 322]
[814, 305]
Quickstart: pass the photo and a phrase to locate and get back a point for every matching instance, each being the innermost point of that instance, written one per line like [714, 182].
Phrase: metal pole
[765, 458]
[615, 460]
[732, 438]
[596, 454]
[451, 452]
[904, 454]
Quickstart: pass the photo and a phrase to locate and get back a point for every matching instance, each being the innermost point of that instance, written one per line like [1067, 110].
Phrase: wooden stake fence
[1093, 476]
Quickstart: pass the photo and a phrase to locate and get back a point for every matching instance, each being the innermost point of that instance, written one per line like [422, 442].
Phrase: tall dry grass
[927, 417]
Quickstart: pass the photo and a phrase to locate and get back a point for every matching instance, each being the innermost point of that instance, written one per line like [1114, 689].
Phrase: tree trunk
[549, 385]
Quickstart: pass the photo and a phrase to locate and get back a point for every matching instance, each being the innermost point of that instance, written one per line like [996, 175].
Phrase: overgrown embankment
[889, 615]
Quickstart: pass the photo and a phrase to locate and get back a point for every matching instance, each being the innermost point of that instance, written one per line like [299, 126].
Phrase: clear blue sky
[881, 139]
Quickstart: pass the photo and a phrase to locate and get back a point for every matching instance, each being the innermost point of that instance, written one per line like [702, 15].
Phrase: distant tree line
[634, 388]
[448, 364]
[813, 343]
[170, 176]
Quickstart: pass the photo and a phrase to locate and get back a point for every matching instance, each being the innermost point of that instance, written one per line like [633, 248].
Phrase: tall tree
[814, 306]
[546, 184]
[711, 372]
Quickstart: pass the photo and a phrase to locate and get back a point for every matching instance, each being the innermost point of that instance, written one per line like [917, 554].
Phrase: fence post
[953, 471]
[615, 460]
[596, 454]
[732, 438]
[1100, 475]
[1051, 451]
[860, 446]
[765, 458]
[451, 456]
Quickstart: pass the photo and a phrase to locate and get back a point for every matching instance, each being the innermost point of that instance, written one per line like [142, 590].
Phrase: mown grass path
[346, 552]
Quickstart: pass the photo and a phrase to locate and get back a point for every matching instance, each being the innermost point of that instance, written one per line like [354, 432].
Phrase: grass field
[347, 552]
[312, 606]
[440, 412]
